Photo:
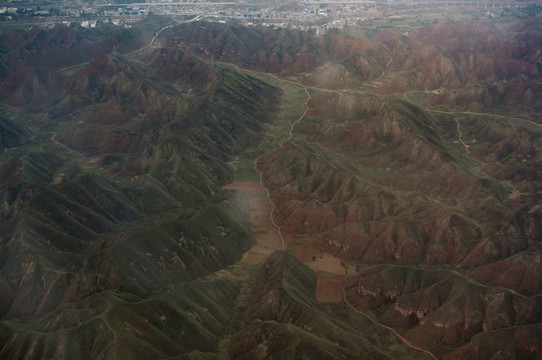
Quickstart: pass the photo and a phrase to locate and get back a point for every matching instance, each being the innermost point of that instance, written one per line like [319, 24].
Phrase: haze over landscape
[312, 180]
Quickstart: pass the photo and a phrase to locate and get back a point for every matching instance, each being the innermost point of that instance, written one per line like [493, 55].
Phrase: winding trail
[152, 40]
[438, 91]
[467, 146]
[56, 142]
[290, 132]
[272, 203]
[485, 114]
[72, 67]
[405, 341]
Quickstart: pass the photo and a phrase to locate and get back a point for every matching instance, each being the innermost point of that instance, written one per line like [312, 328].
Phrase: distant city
[317, 16]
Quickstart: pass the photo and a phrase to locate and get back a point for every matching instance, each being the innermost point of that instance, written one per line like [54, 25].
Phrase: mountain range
[402, 176]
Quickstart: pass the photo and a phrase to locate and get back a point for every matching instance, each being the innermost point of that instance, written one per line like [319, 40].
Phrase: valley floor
[331, 271]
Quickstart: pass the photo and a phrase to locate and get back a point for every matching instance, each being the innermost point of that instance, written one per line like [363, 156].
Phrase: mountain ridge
[409, 219]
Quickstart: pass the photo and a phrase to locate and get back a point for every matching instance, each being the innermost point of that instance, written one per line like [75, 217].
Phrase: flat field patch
[319, 260]
[267, 236]
[329, 288]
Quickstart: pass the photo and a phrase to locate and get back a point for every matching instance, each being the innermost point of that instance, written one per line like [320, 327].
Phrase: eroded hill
[111, 192]
[473, 66]
[403, 174]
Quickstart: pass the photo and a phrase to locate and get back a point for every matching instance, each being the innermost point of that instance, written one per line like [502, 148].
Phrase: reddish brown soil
[290, 239]
[267, 235]
[318, 260]
[329, 288]
[330, 272]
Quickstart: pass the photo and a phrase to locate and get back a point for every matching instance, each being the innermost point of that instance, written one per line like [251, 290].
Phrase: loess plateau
[227, 192]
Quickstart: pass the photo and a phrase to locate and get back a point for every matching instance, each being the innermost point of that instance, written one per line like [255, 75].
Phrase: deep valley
[216, 191]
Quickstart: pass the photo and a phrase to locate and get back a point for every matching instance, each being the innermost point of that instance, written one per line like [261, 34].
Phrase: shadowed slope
[116, 199]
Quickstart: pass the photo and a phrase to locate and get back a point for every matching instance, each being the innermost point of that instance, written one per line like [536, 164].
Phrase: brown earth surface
[439, 209]
[318, 260]
[329, 288]
[267, 235]
[330, 271]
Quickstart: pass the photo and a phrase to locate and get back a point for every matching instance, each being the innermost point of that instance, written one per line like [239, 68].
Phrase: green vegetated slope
[118, 241]
[284, 321]
[446, 196]
[111, 193]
